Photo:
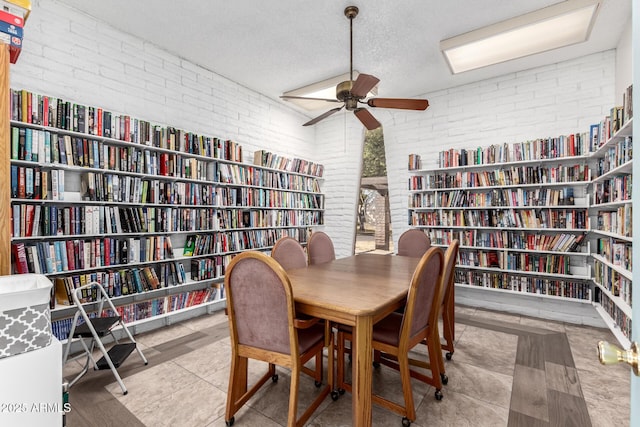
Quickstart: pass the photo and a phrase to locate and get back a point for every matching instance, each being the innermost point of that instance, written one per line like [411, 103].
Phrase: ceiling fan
[352, 93]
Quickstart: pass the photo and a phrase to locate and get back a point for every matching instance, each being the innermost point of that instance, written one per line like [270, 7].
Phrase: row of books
[616, 156]
[234, 241]
[230, 219]
[260, 197]
[70, 255]
[615, 282]
[54, 112]
[559, 242]
[132, 189]
[147, 309]
[37, 184]
[528, 284]
[617, 253]
[33, 183]
[547, 148]
[618, 315]
[495, 198]
[249, 175]
[120, 282]
[602, 132]
[615, 189]
[415, 162]
[48, 147]
[209, 268]
[524, 261]
[618, 221]
[275, 161]
[515, 175]
[12, 17]
[525, 218]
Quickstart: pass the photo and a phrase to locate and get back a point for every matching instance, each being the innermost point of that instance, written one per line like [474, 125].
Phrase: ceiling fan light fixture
[552, 27]
[323, 89]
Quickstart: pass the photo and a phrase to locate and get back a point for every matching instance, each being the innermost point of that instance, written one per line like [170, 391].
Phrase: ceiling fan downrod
[351, 12]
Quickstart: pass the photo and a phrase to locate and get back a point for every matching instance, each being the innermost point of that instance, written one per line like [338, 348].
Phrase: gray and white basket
[25, 321]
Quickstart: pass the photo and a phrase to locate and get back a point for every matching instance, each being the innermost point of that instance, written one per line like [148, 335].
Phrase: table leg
[362, 374]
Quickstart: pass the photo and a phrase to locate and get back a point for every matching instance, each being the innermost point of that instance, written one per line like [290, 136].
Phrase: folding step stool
[94, 329]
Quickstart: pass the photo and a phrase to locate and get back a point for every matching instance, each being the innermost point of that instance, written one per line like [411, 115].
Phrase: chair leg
[448, 322]
[340, 361]
[237, 385]
[436, 361]
[405, 377]
[293, 397]
[319, 369]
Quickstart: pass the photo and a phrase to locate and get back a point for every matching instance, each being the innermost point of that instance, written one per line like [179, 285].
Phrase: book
[189, 245]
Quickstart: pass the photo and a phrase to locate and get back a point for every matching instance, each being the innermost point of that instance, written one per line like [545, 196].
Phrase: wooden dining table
[359, 291]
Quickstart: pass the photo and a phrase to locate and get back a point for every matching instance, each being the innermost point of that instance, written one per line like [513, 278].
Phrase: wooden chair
[320, 248]
[413, 243]
[289, 253]
[263, 326]
[397, 333]
[448, 303]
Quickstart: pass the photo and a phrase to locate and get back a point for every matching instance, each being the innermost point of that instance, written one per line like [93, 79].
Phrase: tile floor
[506, 371]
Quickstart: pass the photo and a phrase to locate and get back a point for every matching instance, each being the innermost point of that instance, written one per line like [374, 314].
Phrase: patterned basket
[25, 321]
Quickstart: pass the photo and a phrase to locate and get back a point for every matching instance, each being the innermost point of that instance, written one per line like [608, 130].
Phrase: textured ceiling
[274, 47]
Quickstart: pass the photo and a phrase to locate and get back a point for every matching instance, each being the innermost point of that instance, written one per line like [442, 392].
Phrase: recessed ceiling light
[552, 27]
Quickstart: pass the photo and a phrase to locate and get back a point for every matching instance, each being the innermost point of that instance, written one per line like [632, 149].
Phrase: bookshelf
[520, 212]
[612, 227]
[152, 212]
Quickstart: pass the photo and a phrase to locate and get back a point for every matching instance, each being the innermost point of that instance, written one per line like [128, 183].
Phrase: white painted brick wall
[549, 101]
[339, 141]
[70, 55]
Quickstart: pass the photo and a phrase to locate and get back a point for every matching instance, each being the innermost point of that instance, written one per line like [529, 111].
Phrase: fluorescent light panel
[556, 26]
[323, 89]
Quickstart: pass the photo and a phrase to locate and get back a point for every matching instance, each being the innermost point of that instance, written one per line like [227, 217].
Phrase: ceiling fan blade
[406, 104]
[323, 116]
[367, 118]
[363, 84]
[310, 99]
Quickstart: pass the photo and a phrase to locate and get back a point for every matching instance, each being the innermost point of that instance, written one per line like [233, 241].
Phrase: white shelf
[479, 227]
[527, 162]
[493, 187]
[525, 273]
[613, 235]
[623, 132]
[64, 311]
[612, 205]
[619, 302]
[625, 169]
[480, 208]
[529, 294]
[623, 271]
[615, 329]
[156, 233]
[532, 251]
